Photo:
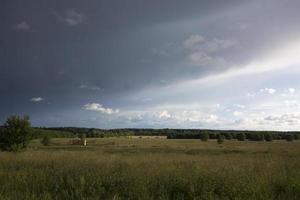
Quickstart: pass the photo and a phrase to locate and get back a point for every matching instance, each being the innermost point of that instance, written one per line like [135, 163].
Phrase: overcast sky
[217, 64]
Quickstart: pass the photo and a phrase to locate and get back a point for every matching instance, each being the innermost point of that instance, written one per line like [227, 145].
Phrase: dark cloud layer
[51, 49]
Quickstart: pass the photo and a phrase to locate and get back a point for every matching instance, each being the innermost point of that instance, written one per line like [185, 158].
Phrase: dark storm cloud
[71, 53]
[104, 48]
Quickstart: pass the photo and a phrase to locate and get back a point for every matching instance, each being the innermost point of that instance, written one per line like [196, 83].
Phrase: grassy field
[123, 168]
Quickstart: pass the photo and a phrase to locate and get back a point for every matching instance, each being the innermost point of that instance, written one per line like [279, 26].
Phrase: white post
[84, 141]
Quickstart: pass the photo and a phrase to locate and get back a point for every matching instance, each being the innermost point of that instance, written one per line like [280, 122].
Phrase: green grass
[121, 168]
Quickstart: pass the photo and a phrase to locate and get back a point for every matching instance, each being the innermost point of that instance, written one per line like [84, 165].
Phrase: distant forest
[170, 133]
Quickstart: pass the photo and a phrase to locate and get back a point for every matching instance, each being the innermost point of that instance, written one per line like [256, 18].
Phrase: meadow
[152, 168]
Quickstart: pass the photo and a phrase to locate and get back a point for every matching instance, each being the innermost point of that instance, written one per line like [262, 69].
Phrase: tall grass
[153, 169]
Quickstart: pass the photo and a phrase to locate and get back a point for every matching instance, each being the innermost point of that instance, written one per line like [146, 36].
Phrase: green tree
[289, 137]
[241, 137]
[221, 138]
[228, 136]
[46, 140]
[258, 137]
[204, 136]
[16, 133]
[269, 137]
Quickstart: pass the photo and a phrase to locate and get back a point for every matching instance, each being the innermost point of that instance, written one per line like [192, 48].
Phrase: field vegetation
[152, 168]
[138, 164]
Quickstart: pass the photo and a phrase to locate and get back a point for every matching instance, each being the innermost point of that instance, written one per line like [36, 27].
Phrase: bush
[204, 136]
[16, 134]
[46, 140]
[256, 136]
[233, 134]
[221, 139]
[296, 136]
[276, 136]
[289, 138]
[241, 137]
[228, 136]
[213, 136]
[269, 137]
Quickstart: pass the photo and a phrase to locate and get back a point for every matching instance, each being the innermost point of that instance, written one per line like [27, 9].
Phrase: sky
[212, 64]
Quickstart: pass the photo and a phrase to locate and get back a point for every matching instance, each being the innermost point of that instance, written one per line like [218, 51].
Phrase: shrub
[269, 137]
[228, 136]
[204, 136]
[213, 136]
[233, 134]
[289, 138]
[276, 136]
[221, 139]
[16, 134]
[46, 140]
[296, 136]
[241, 137]
[256, 136]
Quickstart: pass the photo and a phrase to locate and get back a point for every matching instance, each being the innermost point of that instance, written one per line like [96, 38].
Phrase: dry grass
[121, 168]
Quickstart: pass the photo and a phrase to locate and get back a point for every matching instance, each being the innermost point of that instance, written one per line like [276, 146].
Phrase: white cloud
[199, 43]
[164, 115]
[193, 41]
[217, 45]
[291, 103]
[99, 108]
[239, 106]
[267, 70]
[135, 118]
[282, 58]
[198, 118]
[237, 113]
[271, 116]
[72, 17]
[37, 99]
[203, 59]
[183, 117]
[201, 50]
[89, 87]
[284, 118]
[250, 95]
[23, 26]
[268, 90]
[177, 118]
[292, 90]
[210, 118]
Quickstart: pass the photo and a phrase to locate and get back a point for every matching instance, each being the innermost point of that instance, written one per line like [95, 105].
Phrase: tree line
[182, 133]
[16, 133]
[237, 135]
